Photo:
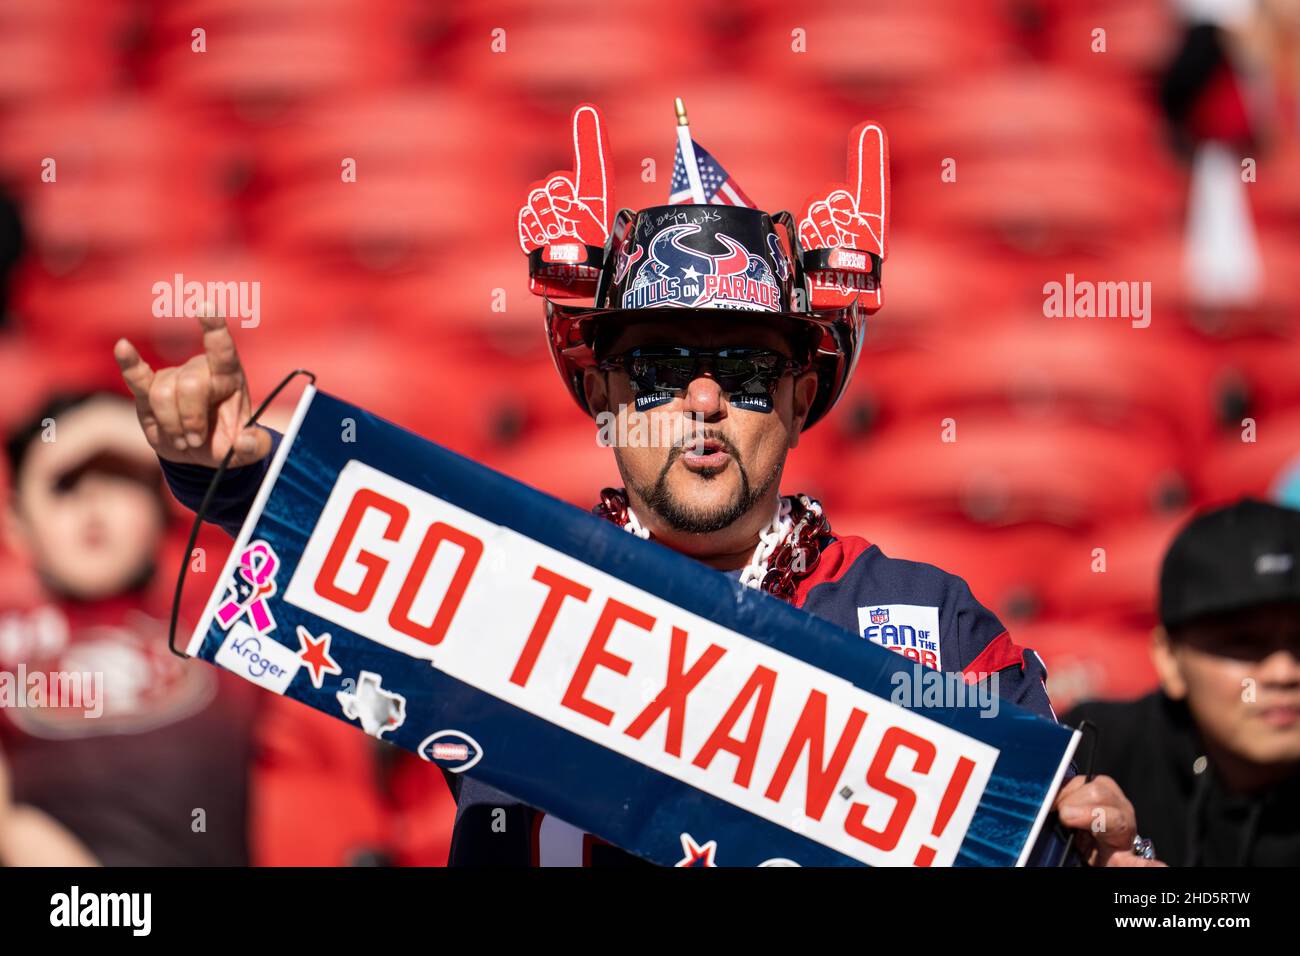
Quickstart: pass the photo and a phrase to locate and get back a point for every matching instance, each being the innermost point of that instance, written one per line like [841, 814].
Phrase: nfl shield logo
[879, 615]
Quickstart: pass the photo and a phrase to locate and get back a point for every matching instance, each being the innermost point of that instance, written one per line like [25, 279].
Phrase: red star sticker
[316, 655]
[695, 854]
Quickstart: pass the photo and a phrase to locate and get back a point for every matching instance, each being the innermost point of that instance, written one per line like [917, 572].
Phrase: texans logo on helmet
[628, 255]
[778, 256]
[677, 276]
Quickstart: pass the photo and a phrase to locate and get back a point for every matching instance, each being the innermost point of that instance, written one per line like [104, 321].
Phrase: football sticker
[453, 750]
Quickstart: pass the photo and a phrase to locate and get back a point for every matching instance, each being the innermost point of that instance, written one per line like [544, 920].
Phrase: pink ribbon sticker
[257, 566]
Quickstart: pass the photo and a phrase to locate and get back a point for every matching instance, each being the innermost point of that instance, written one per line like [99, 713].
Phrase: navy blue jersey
[922, 613]
[916, 610]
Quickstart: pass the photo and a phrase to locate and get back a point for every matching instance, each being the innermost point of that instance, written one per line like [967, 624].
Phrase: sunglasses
[672, 368]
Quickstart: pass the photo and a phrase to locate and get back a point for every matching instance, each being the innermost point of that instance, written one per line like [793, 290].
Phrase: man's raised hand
[193, 413]
[854, 214]
[572, 206]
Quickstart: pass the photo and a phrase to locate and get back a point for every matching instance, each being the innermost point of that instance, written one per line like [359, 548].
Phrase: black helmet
[694, 260]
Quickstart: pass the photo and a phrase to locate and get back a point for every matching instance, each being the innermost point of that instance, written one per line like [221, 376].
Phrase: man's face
[1240, 676]
[86, 508]
[698, 461]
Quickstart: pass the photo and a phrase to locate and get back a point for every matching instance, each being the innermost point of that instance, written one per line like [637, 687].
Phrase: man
[1212, 759]
[116, 751]
[701, 330]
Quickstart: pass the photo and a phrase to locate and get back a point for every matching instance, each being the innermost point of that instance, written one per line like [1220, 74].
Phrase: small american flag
[719, 188]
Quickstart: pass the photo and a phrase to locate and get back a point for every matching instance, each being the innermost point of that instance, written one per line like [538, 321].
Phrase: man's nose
[704, 397]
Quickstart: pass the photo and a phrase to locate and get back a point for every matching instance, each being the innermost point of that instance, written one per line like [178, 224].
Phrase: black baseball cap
[1241, 556]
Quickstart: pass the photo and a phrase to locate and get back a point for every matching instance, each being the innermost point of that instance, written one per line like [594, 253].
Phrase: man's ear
[595, 388]
[805, 391]
[1165, 659]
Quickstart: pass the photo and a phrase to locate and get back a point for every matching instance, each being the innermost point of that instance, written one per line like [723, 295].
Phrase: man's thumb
[252, 444]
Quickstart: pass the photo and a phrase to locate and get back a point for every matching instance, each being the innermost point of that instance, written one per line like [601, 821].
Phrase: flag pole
[688, 152]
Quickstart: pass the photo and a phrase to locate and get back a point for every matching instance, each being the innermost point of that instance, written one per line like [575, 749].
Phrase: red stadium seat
[110, 141]
[52, 50]
[116, 298]
[553, 58]
[1162, 259]
[253, 15]
[481, 401]
[1005, 471]
[400, 134]
[1141, 36]
[473, 290]
[1027, 110]
[280, 63]
[32, 372]
[395, 806]
[1043, 371]
[1091, 660]
[1258, 377]
[935, 287]
[1275, 200]
[76, 225]
[564, 462]
[402, 382]
[1009, 569]
[377, 224]
[884, 47]
[1233, 467]
[1121, 582]
[810, 464]
[1074, 201]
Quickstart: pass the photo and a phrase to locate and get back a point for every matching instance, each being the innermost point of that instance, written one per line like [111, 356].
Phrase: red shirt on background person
[117, 751]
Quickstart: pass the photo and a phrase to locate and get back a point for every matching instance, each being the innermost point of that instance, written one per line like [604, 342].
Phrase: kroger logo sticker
[911, 630]
[257, 658]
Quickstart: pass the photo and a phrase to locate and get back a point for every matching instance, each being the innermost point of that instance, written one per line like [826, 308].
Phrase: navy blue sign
[609, 681]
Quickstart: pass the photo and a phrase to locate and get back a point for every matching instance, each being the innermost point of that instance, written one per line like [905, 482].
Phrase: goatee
[682, 518]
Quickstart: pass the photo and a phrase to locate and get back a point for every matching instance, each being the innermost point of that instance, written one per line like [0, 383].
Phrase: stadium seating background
[1072, 435]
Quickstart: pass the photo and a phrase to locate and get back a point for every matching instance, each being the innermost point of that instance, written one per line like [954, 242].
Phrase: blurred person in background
[88, 515]
[30, 837]
[1230, 97]
[1211, 761]
[147, 762]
